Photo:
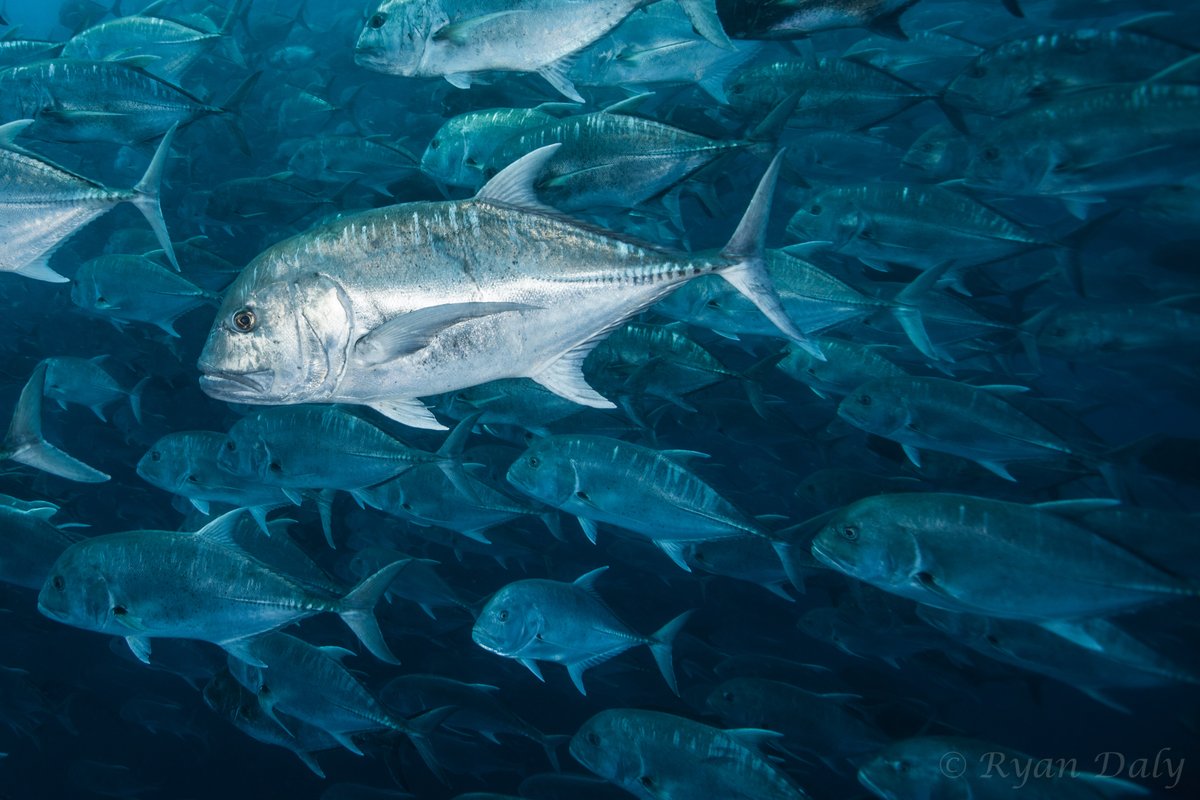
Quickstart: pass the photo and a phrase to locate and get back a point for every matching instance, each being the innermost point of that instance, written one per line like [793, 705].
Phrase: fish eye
[230, 446]
[435, 144]
[58, 582]
[155, 455]
[244, 320]
[902, 766]
[850, 533]
[727, 697]
[406, 506]
[864, 399]
[102, 300]
[646, 781]
[992, 640]
[816, 209]
[275, 467]
[119, 611]
[593, 739]
[376, 22]
[193, 479]
[502, 615]
[978, 71]
[534, 462]
[991, 153]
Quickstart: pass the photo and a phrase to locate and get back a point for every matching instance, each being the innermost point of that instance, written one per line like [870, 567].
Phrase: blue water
[81, 717]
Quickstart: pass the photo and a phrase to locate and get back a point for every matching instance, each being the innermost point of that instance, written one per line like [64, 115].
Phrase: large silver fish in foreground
[382, 307]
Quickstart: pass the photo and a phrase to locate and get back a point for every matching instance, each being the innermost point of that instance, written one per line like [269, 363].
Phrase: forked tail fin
[146, 196]
[748, 273]
[24, 443]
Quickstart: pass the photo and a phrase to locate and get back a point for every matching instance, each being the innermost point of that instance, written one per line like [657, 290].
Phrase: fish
[125, 288]
[311, 684]
[148, 584]
[457, 39]
[636, 488]
[984, 556]
[379, 336]
[85, 382]
[973, 422]
[651, 754]
[44, 204]
[186, 463]
[917, 767]
[566, 623]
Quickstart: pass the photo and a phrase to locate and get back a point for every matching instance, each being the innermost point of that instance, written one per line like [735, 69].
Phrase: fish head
[397, 37]
[606, 747]
[868, 540]
[1067, 334]
[916, 769]
[453, 156]
[828, 217]
[89, 292]
[875, 407]
[728, 699]
[983, 88]
[309, 160]
[165, 464]
[1018, 166]
[278, 341]
[246, 449]
[508, 623]
[545, 473]
[78, 591]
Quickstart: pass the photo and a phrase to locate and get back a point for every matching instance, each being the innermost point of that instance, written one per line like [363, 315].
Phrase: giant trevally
[43, 204]
[986, 556]
[458, 39]
[653, 755]
[386, 306]
[146, 584]
[567, 623]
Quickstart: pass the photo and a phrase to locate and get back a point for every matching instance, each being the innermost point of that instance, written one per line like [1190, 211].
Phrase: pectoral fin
[408, 333]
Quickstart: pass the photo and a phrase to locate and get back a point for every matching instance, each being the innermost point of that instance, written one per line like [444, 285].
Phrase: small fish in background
[652, 754]
[567, 623]
[876, 317]
[457, 42]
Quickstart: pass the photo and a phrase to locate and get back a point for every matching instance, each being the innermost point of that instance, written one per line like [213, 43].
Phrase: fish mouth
[865, 779]
[825, 557]
[221, 384]
[484, 640]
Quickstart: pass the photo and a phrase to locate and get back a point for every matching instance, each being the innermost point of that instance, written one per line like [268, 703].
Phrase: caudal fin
[146, 196]
[24, 443]
[748, 274]
[703, 16]
[358, 610]
[662, 646]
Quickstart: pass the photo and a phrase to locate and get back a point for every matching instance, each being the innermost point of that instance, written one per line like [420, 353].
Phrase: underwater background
[931, 535]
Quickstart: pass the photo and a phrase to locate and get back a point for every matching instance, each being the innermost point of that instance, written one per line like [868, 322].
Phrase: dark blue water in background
[74, 705]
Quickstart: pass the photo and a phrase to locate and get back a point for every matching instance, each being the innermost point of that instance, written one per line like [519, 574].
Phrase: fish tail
[25, 445]
[550, 743]
[418, 730]
[748, 272]
[357, 610]
[703, 16]
[146, 196]
[662, 645]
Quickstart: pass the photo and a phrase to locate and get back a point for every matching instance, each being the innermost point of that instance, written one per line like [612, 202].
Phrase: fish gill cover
[761, 399]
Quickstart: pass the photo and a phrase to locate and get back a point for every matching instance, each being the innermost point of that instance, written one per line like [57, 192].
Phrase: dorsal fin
[587, 581]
